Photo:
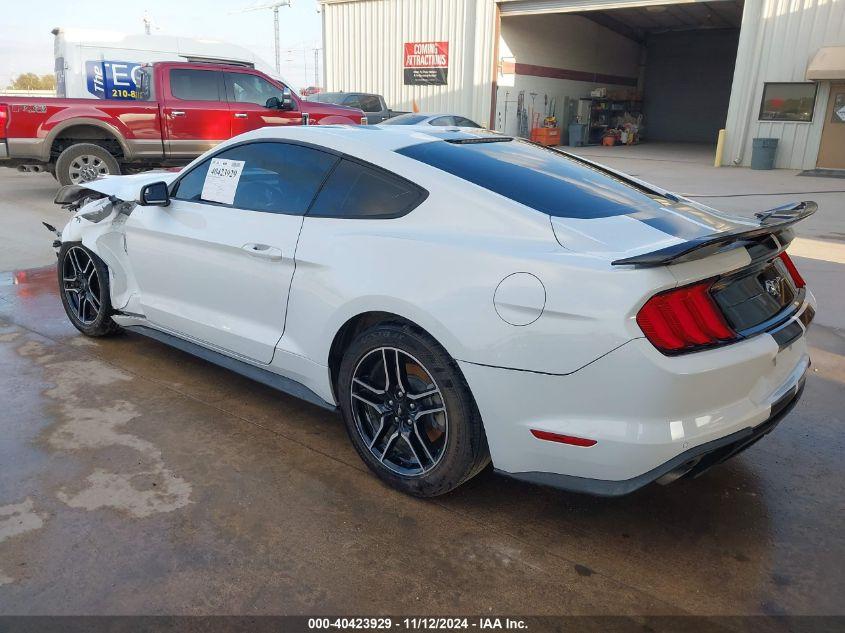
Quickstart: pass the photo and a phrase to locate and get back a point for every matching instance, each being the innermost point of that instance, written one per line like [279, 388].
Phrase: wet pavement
[137, 479]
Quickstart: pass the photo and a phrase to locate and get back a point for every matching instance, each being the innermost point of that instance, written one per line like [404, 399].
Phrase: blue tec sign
[113, 80]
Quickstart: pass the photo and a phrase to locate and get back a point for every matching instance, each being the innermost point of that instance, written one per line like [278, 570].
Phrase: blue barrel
[763, 153]
[577, 134]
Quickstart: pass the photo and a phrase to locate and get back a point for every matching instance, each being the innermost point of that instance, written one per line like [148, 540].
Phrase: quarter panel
[440, 266]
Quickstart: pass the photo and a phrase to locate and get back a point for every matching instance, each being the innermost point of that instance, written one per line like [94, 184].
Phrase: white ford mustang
[461, 297]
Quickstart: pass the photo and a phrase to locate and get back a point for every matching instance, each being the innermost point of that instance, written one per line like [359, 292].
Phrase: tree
[31, 81]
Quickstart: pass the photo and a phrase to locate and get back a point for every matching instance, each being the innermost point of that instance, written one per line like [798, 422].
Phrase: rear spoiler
[771, 221]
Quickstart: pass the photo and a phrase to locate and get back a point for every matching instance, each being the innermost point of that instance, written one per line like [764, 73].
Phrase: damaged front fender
[101, 208]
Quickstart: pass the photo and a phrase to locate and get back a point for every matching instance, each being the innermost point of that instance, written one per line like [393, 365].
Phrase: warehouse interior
[657, 73]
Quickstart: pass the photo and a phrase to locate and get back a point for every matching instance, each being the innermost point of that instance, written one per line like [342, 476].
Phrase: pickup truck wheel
[85, 162]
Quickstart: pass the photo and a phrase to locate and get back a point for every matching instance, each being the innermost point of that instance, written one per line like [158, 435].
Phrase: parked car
[460, 297]
[439, 120]
[373, 106]
[184, 109]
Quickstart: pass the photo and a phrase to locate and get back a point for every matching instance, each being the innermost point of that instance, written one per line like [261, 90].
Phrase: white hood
[128, 188]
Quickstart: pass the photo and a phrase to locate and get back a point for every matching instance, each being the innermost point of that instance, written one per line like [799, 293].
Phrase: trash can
[763, 153]
[577, 134]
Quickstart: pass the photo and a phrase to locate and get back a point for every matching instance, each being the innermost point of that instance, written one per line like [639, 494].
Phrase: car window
[370, 103]
[443, 120]
[352, 101]
[464, 122]
[540, 178]
[405, 119]
[247, 88]
[195, 85]
[325, 97]
[356, 191]
[276, 178]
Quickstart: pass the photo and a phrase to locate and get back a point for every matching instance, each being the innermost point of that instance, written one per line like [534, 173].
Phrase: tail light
[3, 116]
[797, 279]
[684, 319]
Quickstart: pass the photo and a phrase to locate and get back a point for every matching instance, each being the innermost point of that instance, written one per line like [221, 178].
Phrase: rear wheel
[84, 286]
[409, 412]
[84, 162]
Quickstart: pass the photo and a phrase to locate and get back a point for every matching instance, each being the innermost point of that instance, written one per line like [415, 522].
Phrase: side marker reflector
[563, 439]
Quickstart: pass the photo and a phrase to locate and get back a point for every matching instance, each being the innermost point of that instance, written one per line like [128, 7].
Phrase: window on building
[195, 85]
[788, 102]
[357, 191]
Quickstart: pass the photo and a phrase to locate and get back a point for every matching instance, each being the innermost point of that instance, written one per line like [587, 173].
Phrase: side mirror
[287, 99]
[155, 194]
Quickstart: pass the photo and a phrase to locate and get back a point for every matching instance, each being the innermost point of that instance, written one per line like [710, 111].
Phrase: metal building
[757, 68]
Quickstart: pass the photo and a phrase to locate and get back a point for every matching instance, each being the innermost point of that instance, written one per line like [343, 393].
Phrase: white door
[220, 272]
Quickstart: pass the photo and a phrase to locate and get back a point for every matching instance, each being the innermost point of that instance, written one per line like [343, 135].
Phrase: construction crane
[275, 6]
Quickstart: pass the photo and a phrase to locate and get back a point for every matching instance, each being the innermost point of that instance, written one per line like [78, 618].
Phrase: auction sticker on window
[221, 181]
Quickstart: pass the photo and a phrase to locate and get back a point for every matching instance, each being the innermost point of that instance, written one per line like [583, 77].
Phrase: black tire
[94, 317]
[461, 451]
[83, 162]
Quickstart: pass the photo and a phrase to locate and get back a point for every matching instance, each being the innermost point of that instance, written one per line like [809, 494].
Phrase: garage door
[533, 7]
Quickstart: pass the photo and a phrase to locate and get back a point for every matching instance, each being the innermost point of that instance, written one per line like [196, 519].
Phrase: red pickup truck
[181, 110]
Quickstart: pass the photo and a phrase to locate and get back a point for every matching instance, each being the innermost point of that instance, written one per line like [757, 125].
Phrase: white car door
[216, 266]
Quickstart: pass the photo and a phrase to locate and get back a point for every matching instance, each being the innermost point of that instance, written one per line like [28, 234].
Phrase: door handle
[240, 115]
[263, 251]
[177, 113]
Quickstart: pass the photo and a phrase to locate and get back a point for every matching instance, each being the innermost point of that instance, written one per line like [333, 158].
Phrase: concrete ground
[137, 479]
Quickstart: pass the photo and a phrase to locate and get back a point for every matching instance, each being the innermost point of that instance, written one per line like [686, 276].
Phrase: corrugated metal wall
[363, 48]
[777, 41]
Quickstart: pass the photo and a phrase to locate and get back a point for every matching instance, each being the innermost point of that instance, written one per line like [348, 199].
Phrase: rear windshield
[326, 97]
[539, 178]
[406, 119]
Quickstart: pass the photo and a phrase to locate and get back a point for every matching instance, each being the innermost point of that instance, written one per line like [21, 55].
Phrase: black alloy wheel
[399, 411]
[409, 411]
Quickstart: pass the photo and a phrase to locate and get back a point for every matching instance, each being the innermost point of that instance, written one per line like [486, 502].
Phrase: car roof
[347, 138]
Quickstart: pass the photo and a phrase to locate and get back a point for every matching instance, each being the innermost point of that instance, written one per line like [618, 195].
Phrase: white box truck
[93, 64]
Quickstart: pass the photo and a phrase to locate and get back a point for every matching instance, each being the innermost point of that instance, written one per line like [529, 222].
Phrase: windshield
[406, 119]
[540, 178]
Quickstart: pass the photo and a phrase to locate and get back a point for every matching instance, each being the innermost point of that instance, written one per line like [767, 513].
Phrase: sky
[26, 44]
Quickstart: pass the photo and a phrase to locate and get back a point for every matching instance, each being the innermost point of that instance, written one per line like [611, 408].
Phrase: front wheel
[84, 287]
[409, 412]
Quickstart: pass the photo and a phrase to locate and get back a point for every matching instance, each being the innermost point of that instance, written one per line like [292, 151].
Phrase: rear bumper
[649, 415]
[690, 463]
[4, 150]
